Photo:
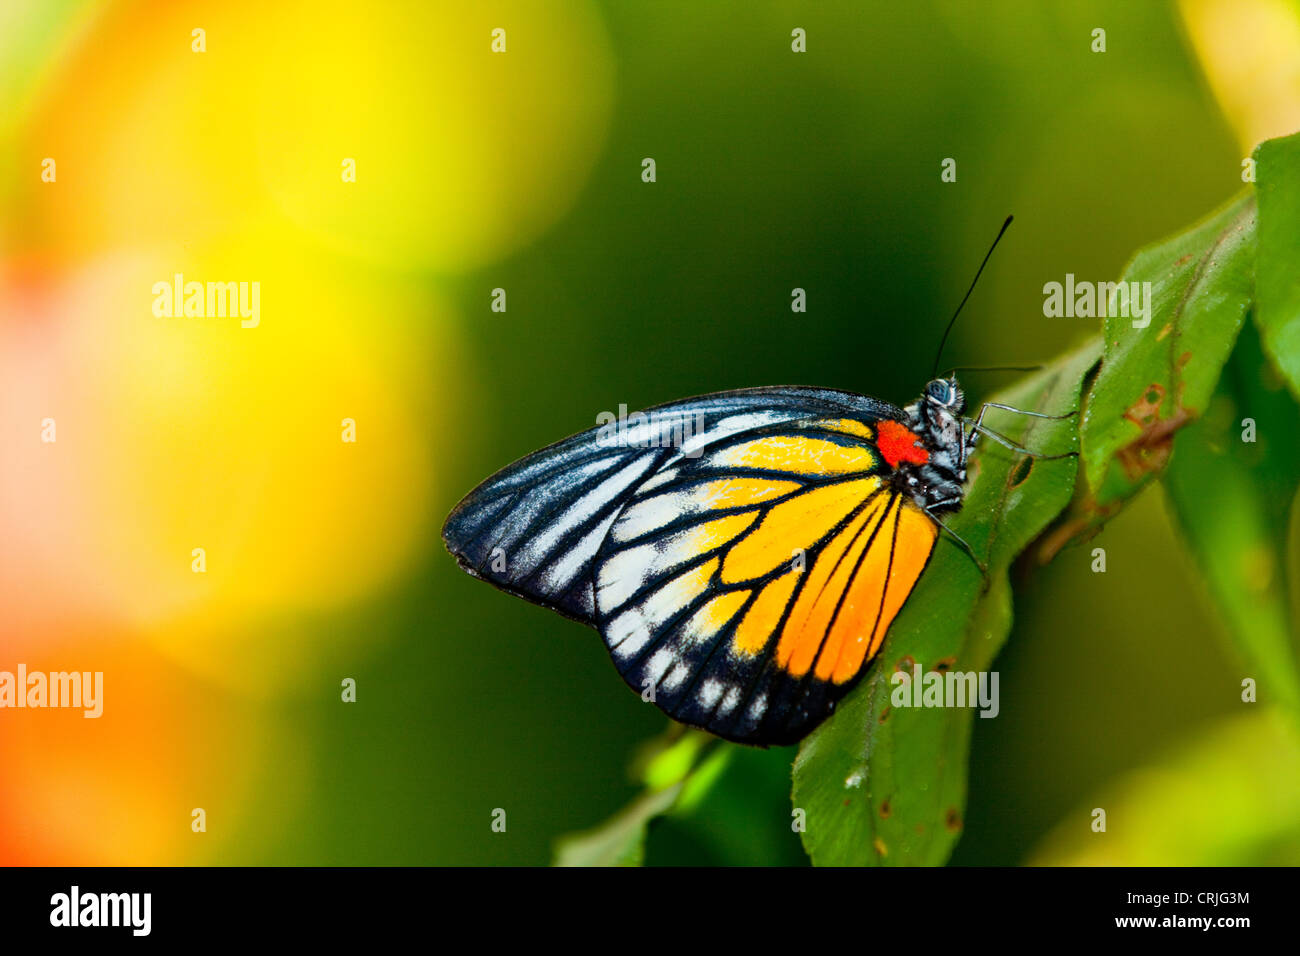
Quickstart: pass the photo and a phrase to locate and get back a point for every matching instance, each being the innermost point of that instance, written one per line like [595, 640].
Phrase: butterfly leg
[977, 428]
[1023, 411]
[960, 541]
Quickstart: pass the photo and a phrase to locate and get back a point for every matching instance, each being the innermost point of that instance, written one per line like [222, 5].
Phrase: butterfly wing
[750, 587]
[534, 528]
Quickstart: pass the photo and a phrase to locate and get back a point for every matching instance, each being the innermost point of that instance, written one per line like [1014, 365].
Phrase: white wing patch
[582, 509]
[659, 478]
[729, 701]
[711, 692]
[648, 514]
[657, 666]
[527, 512]
[630, 570]
[692, 447]
[653, 610]
[571, 563]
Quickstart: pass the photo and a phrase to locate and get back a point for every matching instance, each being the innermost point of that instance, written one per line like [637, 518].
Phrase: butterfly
[743, 553]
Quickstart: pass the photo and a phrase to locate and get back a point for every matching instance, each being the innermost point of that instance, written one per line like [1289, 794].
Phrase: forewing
[534, 528]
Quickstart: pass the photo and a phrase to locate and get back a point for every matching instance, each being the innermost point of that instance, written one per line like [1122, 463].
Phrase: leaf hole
[1021, 472]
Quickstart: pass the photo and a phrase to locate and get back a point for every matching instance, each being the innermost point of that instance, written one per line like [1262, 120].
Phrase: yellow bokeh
[177, 433]
[461, 154]
[1250, 52]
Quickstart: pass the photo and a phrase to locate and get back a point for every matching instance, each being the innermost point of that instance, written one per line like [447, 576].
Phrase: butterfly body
[742, 554]
[937, 481]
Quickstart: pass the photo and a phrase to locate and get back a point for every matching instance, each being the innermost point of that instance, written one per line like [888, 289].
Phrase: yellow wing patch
[708, 620]
[799, 454]
[850, 426]
[794, 525]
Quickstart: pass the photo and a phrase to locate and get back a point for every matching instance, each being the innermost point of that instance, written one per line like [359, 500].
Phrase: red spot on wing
[898, 443]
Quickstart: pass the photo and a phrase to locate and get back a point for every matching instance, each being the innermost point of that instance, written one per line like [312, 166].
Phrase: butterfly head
[945, 395]
[936, 479]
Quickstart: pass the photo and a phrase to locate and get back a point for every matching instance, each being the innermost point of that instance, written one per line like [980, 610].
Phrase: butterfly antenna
[943, 341]
[995, 368]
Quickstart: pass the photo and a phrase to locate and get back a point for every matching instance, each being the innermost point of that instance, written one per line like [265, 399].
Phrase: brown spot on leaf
[952, 820]
[885, 809]
[945, 664]
[1184, 260]
[1146, 410]
[906, 664]
[884, 715]
[1149, 452]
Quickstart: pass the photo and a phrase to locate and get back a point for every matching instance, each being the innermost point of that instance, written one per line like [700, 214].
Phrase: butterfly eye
[940, 391]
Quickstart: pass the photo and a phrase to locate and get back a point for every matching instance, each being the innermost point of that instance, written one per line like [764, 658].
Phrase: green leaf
[885, 784]
[1230, 798]
[744, 819]
[619, 841]
[678, 770]
[1277, 281]
[1157, 378]
[1230, 486]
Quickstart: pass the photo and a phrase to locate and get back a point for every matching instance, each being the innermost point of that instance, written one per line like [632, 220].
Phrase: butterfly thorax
[932, 468]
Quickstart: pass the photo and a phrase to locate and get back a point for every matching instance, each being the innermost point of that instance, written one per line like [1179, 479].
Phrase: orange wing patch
[828, 579]
[854, 592]
[893, 566]
[764, 615]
